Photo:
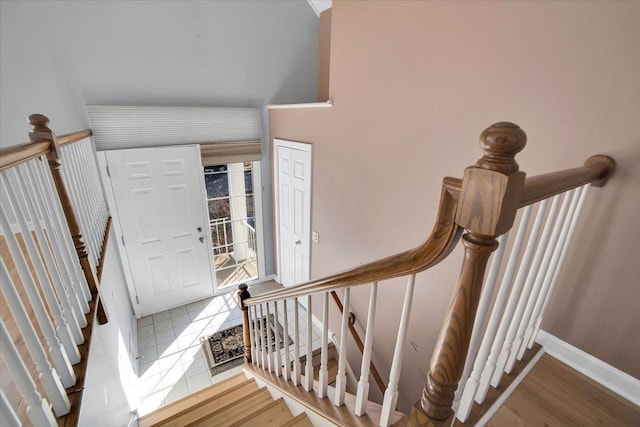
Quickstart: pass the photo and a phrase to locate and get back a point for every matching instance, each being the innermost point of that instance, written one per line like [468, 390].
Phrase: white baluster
[84, 166]
[526, 320]
[263, 348]
[308, 370]
[89, 197]
[468, 385]
[62, 329]
[362, 394]
[276, 327]
[38, 409]
[530, 335]
[391, 394]
[254, 335]
[63, 315]
[58, 247]
[286, 371]
[48, 376]
[513, 293]
[70, 311]
[527, 299]
[323, 375]
[269, 341]
[341, 378]
[44, 172]
[296, 345]
[8, 417]
[252, 342]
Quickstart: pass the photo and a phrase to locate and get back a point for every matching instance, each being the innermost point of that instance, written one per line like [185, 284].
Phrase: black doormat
[225, 349]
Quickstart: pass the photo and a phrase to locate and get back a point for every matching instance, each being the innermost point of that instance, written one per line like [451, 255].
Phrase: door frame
[302, 146]
[103, 167]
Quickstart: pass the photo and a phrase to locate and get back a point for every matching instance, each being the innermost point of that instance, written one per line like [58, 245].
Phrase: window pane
[250, 210]
[217, 185]
[248, 181]
[219, 209]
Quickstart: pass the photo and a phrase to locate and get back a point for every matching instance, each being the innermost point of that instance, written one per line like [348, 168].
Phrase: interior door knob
[297, 242]
[201, 239]
[199, 229]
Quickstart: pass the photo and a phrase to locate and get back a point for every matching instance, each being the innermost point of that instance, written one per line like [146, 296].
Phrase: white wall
[110, 393]
[57, 56]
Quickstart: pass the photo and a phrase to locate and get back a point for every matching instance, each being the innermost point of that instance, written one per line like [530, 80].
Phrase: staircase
[237, 401]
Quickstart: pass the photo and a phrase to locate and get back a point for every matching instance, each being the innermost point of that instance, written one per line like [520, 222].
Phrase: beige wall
[324, 54]
[413, 85]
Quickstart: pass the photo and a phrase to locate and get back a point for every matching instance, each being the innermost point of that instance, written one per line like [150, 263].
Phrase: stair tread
[300, 420]
[191, 400]
[274, 414]
[237, 410]
[196, 413]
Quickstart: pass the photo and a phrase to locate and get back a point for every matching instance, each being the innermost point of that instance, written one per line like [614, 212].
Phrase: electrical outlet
[315, 236]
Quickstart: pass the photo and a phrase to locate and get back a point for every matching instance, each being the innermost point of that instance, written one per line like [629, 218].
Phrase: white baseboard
[612, 378]
[505, 395]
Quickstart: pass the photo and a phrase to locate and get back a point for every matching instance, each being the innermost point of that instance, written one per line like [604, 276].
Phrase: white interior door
[160, 202]
[293, 165]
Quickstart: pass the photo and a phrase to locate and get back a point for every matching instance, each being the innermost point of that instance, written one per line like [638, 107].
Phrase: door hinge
[122, 238]
[108, 172]
[137, 300]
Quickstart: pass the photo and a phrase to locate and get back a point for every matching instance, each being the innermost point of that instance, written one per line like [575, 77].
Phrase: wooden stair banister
[41, 133]
[484, 205]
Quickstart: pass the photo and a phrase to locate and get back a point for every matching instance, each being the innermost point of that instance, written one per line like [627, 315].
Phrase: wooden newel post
[487, 208]
[243, 294]
[41, 132]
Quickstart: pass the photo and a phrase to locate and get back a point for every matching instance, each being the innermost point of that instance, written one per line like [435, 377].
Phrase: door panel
[294, 206]
[161, 211]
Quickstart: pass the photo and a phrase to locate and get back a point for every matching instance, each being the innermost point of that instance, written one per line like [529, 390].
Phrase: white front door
[160, 203]
[293, 166]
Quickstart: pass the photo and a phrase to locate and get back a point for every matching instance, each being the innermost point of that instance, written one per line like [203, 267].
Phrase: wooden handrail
[18, 154]
[359, 343]
[443, 239]
[73, 137]
[596, 170]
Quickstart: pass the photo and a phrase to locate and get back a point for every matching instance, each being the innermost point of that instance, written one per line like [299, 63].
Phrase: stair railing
[52, 202]
[484, 204]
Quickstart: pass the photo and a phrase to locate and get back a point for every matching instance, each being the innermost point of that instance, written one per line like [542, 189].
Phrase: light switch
[315, 236]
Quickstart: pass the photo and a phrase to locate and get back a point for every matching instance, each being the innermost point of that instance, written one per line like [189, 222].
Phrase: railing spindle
[362, 394]
[61, 245]
[296, 344]
[71, 310]
[323, 375]
[51, 195]
[391, 394]
[62, 327]
[61, 359]
[269, 341]
[263, 344]
[286, 371]
[341, 378]
[8, 417]
[308, 370]
[276, 326]
[47, 374]
[525, 299]
[532, 331]
[254, 335]
[38, 409]
[522, 280]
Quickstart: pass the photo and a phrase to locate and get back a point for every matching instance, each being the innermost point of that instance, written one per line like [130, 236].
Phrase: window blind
[227, 131]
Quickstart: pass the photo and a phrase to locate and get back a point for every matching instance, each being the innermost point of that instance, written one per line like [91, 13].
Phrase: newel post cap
[41, 131]
[501, 142]
[243, 294]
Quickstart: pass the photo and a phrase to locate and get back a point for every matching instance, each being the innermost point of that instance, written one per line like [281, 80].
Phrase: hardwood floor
[554, 394]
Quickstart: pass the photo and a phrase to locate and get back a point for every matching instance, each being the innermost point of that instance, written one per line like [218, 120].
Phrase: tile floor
[171, 361]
